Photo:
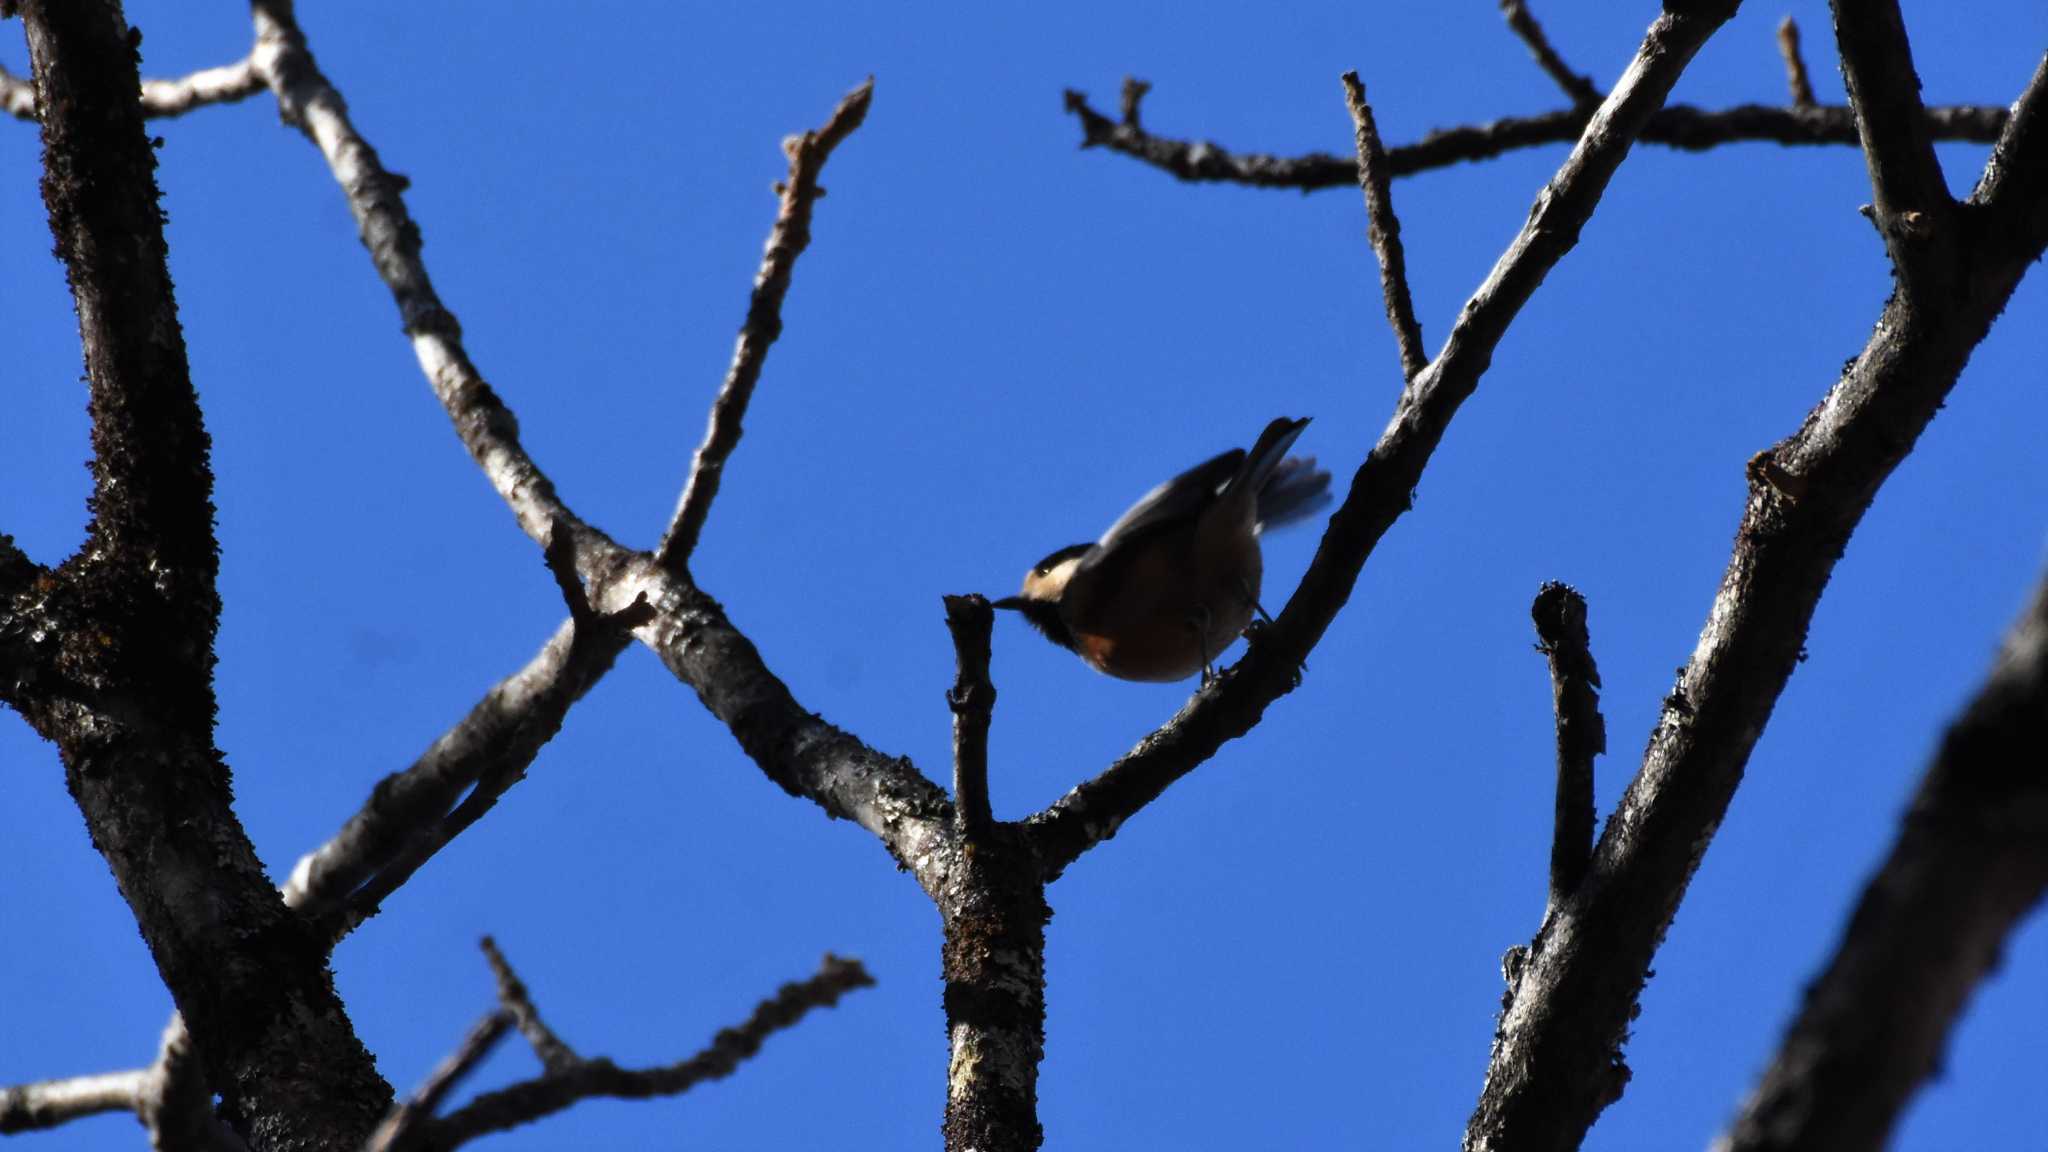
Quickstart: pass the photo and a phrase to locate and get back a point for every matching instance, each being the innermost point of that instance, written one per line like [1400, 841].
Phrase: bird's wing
[1178, 500]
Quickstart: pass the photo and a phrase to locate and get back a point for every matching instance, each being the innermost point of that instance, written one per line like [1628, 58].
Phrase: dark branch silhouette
[1383, 232]
[1970, 861]
[1556, 1060]
[1560, 614]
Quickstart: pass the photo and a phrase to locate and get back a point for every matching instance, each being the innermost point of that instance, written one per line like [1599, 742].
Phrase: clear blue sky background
[995, 344]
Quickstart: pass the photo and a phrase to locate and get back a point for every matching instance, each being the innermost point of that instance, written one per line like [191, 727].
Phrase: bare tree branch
[973, 700]
[161, 98]
[408, 817]
[1796, 82]
[1970, 861]
[554, 1055]
[1679, 126]
[1383, 231]
[1556, 1059]
[1130, 99]
[2012, 195]
[1577, 87]
[176, 1103]
[401, 1130]
[139, 610]
[49, 1103]
[1911, 205]
[786, 241]
[1380, 490]
[487, 428]
[553, 1091]
[796, 748]
[1560, 614]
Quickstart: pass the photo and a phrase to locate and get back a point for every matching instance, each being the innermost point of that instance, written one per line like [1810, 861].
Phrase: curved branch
[1680, 126]
[1556, 1060]
[1380, 491]
[226, 84]
[1970, 861]
[49, 1103]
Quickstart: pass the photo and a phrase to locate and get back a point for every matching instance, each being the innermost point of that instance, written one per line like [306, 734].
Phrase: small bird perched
[1176, 578]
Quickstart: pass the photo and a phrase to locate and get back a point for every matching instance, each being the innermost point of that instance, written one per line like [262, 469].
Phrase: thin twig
[402, 1129]
[973, 699]
[551, 1092]
[1970, 862]
[1795, 64]
[786, 241]
[554, 1054]
[1560, 615]
[1383, 230]
[1679, 126]
[1578, 88]
[1381, 488]
[1911, 203]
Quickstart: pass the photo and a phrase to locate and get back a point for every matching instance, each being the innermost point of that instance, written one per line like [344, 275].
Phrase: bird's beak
[1013, 603]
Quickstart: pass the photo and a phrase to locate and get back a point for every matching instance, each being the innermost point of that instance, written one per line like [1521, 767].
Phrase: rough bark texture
[995, 913]
[123, 679]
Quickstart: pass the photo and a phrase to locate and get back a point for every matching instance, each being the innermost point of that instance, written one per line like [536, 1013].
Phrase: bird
[1176, 578]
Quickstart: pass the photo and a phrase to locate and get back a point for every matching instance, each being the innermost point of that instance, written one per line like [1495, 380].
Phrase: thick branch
[1381, 489]
[1970, 861]
[1383, 231]
[551, 1092]
[1912, 206]
[993, 961]
[1556, 1058]
[487, 428]
[131, 706]
[1680, 126]
[1560, 614]
[786, 241]
[1578, 88]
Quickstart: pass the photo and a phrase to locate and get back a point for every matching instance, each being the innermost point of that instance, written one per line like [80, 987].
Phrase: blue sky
[995, 343]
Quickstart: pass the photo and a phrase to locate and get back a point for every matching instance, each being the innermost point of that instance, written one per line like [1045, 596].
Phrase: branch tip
[1383, 230]
[971, 620]
[1579, 89]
